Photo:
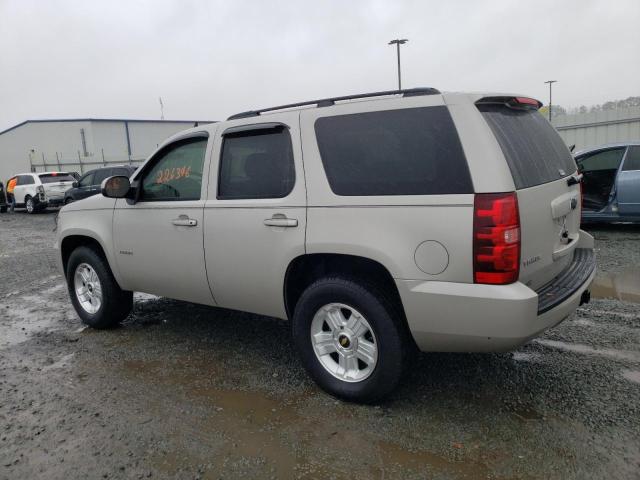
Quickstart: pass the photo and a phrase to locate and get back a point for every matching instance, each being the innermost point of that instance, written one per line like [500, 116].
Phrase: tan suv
[375, 223]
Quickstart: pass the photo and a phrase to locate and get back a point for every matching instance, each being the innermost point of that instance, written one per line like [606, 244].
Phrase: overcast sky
[209, 59]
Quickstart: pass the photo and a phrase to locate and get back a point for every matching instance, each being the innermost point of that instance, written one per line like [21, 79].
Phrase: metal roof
[124, 120]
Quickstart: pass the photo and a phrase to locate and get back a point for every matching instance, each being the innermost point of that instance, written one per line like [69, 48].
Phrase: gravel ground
[184, 391]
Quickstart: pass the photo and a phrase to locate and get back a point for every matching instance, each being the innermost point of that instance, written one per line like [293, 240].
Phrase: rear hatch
[548, 197]
[55, 184]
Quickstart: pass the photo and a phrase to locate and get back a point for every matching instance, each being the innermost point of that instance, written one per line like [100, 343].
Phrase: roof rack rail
[327, 102]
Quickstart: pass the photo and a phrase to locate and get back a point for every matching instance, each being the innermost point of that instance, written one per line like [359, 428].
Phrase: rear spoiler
[518, 103]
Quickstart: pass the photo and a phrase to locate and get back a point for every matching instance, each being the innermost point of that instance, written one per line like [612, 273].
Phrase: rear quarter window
[533, 149]
[413, 151]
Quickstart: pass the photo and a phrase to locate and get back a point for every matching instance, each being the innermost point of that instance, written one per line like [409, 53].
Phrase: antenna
[161, 108]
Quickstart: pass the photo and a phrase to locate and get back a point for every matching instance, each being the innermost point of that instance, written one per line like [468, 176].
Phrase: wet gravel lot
[184, 391]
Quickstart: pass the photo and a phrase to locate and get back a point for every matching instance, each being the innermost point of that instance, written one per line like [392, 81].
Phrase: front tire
[351, 339]
[96, 296]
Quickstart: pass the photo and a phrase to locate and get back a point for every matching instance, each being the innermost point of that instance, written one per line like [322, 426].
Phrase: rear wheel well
[70, 243]
[306, 269]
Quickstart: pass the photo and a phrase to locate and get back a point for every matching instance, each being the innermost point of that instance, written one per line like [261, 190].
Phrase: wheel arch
[72, 241]
[305, 269]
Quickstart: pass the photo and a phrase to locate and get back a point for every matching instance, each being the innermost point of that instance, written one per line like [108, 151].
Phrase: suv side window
[256, 164]
[101, 175]
[632, 162]
[414, 151]
[87, 180]
[25, 180]
[176, 173]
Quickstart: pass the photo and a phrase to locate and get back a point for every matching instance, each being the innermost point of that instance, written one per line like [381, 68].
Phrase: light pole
[550, 82]
[397, 42]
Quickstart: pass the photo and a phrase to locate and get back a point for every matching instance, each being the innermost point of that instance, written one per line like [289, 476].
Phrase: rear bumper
[463, 317]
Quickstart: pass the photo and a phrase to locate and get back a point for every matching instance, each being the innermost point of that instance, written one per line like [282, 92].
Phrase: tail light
[496, 238]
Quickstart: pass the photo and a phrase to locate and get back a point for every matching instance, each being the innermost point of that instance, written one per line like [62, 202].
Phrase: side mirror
[116, 187]
[75, 184]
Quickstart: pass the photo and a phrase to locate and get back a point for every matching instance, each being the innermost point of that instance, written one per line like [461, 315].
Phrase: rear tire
[30, 205]
[328, 324]
[96, 296]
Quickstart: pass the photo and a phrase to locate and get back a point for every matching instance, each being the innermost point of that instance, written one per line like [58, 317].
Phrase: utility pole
[161, 109]
[397, 42]
[550, 82]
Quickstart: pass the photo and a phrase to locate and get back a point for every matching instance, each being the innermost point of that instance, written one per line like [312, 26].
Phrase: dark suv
[89, 183]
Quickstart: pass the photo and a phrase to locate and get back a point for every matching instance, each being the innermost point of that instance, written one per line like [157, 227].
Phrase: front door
[85, 185]
[158, 239]
[628, 187]
[255, 215]
[599, 170]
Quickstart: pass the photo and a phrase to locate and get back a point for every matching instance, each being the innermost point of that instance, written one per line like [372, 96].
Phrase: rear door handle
[279, 220]
[184, 221]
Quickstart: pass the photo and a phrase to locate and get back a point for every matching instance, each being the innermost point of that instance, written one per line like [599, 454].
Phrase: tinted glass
[56, 177]
[605, 160]
[122, 171]
[256, 164]
[87, 180]
[412, 151]
[632, 162]
[25, 180]
[177, 174]
[533, 149]
[101, 175]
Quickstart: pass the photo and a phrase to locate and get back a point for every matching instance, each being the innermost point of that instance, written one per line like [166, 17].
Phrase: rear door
[255, 215]
[628, 183]
[549, 206]
[24, 187]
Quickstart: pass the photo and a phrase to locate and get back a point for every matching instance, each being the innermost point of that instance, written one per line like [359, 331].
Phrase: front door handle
[184, 221]
[280, 220]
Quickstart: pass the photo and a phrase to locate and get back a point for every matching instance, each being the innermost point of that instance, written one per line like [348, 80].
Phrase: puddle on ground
[18, 324]
[625, 355]
[394, 457]
[622, 286]
[632, 375]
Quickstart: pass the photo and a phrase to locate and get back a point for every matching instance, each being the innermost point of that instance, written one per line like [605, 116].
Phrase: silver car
[611, 182]
[378, 224]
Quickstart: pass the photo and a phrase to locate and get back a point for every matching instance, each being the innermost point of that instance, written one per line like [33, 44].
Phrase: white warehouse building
[79, 145]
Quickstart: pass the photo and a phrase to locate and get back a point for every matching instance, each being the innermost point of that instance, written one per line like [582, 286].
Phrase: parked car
[446, 222]
[3, 199]
[611, 182]
[37, 191]
[89, 183]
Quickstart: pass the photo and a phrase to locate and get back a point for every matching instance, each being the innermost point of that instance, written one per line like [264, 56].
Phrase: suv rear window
[533, 149]
[413, 151]
[56, 177]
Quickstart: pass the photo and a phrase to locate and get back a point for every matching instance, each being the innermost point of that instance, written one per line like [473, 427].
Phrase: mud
[184, 391]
